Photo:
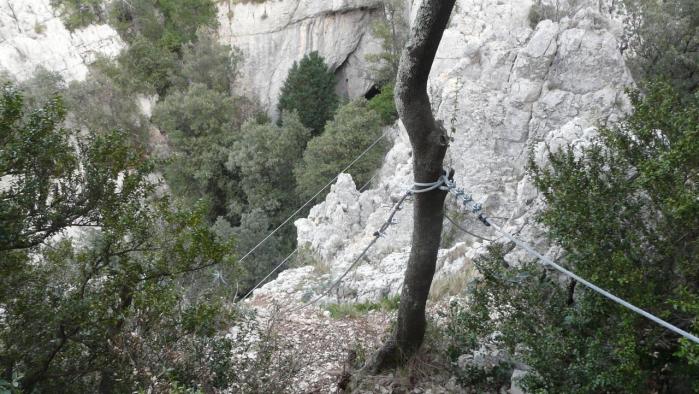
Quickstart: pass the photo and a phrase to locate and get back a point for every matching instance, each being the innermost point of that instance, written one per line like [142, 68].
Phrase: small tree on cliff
[392, 31]
[310, 89]
[429, 142]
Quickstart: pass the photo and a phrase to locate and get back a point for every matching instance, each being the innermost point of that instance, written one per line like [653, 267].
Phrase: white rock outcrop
[502, 83]
[502, 86]
[32, 35]
[272, 35]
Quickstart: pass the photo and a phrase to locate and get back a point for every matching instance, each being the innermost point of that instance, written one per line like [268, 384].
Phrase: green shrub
[41, 88]
[146, 67]
[352, 130]
[309, 89]
[268, 179]
[384, 105]
[663, 42]
[168, 24]
[108, 308]
[100, 105]
[156, 32]
[207, 62]
[621, 209]
[77, 14]
[202, 125]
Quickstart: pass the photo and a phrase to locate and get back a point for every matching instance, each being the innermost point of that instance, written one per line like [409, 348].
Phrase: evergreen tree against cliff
[309, 89]
[353, 128]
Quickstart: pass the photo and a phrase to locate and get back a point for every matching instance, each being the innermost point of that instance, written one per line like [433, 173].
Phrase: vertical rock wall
[273, 34]
[504, 83]
[32, 35]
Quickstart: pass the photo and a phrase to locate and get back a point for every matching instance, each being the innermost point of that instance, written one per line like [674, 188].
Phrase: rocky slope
[504, 83]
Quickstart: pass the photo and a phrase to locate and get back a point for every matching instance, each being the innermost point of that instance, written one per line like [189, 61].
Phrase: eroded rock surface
[272, 35]
[502, 84]
[32, 35]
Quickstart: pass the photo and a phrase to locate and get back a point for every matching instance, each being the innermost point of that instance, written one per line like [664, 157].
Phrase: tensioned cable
[294, 251]
[270, 274]
[475, 208]
[457, 225]
[378, 234]
[416, 189]
[382, 136]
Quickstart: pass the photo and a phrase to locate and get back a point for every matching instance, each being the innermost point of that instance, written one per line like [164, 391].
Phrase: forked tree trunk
[429, 142]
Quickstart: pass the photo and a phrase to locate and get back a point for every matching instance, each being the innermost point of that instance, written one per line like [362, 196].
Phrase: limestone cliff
[272, 35]
[503, 83]
[32, 35]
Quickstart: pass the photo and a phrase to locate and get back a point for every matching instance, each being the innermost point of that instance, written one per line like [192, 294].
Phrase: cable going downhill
[378, 234]
[445, 184]
[293, 252]
[310, 200]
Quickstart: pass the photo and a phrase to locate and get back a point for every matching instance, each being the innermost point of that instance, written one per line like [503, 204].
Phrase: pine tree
[310, 89]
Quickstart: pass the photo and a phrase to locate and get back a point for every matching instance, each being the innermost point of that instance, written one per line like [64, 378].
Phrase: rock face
[272, 35]
[502, 84]
[32, 35]
[506, 81]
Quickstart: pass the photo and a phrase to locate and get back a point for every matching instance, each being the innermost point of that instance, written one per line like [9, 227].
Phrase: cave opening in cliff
[372, 92]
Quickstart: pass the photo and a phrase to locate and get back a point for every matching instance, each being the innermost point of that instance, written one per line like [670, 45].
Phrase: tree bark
[429, 142]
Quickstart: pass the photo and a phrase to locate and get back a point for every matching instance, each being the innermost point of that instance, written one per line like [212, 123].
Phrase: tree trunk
[429, 142]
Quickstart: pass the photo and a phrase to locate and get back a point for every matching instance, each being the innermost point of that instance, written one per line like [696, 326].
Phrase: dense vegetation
[121, 228]
[663, 40]
[624, 212]
[353, 129]
[78, 311]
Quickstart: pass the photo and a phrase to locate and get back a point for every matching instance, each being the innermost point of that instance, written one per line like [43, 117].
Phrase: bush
[622, 210]
[663, 42]
[309, 89]
[146, 67]
[102, 310]
[384, 105]
[168, 24]
[40, 89]
[202, 126]
[207, 62]
[77, 14]
[156, 33]
[100, 105]
[268, 179]
[352, 130]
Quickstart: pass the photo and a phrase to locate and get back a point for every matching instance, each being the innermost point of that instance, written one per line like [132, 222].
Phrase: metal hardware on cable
[476, 208]
[466, 231]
